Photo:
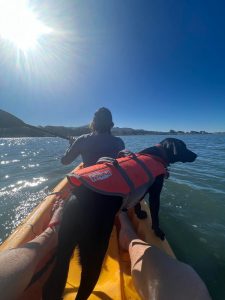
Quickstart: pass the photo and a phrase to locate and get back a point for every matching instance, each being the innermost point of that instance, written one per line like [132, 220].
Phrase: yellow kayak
[115, 281]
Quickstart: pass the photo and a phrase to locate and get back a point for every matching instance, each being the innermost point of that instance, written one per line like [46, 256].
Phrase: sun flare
[20, 25]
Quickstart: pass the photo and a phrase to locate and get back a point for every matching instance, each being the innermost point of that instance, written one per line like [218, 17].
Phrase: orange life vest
[129, 177]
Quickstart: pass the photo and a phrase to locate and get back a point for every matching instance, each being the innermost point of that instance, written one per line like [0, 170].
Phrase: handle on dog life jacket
[113, 161]
[107, 160]
[125, 153]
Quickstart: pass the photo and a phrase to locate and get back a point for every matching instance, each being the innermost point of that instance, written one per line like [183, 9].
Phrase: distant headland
[76, 131]
[11, 126]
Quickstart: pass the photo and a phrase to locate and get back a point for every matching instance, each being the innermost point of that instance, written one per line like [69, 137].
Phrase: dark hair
[102, 121]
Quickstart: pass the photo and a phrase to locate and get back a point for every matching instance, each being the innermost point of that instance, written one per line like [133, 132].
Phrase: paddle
[9, 120]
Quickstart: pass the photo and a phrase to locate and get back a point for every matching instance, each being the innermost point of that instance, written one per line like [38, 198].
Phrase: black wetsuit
[93, 146]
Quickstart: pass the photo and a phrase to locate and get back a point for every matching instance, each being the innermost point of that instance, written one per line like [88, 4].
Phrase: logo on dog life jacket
[99, 175]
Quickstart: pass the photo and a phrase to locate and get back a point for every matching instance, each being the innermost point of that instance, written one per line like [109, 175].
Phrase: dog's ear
[172, 147]
[175, 145]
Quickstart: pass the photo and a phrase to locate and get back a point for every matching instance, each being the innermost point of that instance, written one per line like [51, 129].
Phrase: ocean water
[192, 203]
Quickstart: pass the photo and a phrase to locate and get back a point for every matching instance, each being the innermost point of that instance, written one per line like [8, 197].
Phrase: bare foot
[127, 233]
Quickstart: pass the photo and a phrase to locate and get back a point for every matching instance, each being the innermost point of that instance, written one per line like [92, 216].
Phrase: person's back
[97, 144]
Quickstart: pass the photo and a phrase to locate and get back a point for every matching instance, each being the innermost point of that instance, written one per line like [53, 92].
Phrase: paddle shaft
[47, 131]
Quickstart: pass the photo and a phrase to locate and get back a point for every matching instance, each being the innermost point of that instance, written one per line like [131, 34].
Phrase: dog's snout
[192, 156]
[189, 156]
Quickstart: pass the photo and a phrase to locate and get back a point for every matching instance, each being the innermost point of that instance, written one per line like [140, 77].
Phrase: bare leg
[156, 275]
[18, 264]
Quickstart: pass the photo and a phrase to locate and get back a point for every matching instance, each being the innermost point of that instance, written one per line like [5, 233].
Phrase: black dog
[88, 221]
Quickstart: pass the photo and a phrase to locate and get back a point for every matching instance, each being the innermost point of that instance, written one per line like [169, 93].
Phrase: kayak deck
[115, 280]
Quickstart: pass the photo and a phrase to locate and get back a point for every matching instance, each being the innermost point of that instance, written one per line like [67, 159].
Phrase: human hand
[71, 140]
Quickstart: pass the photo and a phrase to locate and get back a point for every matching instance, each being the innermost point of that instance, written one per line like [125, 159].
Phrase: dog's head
[176, 150]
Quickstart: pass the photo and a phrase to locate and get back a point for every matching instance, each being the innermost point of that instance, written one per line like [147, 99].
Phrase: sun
[20, 25]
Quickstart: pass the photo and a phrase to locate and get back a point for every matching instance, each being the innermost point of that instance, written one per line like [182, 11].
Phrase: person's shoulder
[119, 140]
[82, 139]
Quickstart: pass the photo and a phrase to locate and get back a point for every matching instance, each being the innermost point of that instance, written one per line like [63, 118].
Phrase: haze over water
[192, 204]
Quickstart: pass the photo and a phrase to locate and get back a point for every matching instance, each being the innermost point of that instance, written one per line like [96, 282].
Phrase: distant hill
[8, 120]
[11, 126]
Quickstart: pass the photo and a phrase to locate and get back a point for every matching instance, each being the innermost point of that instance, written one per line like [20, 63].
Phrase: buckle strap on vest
[144, 167]
[125, 153]
[106, 160]
[125, 176]
[114, 162]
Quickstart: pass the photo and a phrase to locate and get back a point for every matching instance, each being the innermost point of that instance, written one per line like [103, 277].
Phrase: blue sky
[158, 65]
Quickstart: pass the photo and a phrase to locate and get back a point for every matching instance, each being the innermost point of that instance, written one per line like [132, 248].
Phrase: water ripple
[192, 203]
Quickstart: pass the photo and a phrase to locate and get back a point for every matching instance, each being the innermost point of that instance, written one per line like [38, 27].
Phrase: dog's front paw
[158, 232]
[141, 214]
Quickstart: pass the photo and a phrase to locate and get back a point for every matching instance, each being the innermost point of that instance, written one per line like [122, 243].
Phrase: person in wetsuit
[99, 143]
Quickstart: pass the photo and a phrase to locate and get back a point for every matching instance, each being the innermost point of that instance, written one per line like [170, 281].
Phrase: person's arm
[72, 152]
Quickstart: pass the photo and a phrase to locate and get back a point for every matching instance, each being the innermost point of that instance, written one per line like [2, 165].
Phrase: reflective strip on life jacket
[128, 177]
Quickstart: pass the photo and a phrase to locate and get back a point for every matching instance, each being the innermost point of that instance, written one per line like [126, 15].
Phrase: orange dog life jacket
[128, 177]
